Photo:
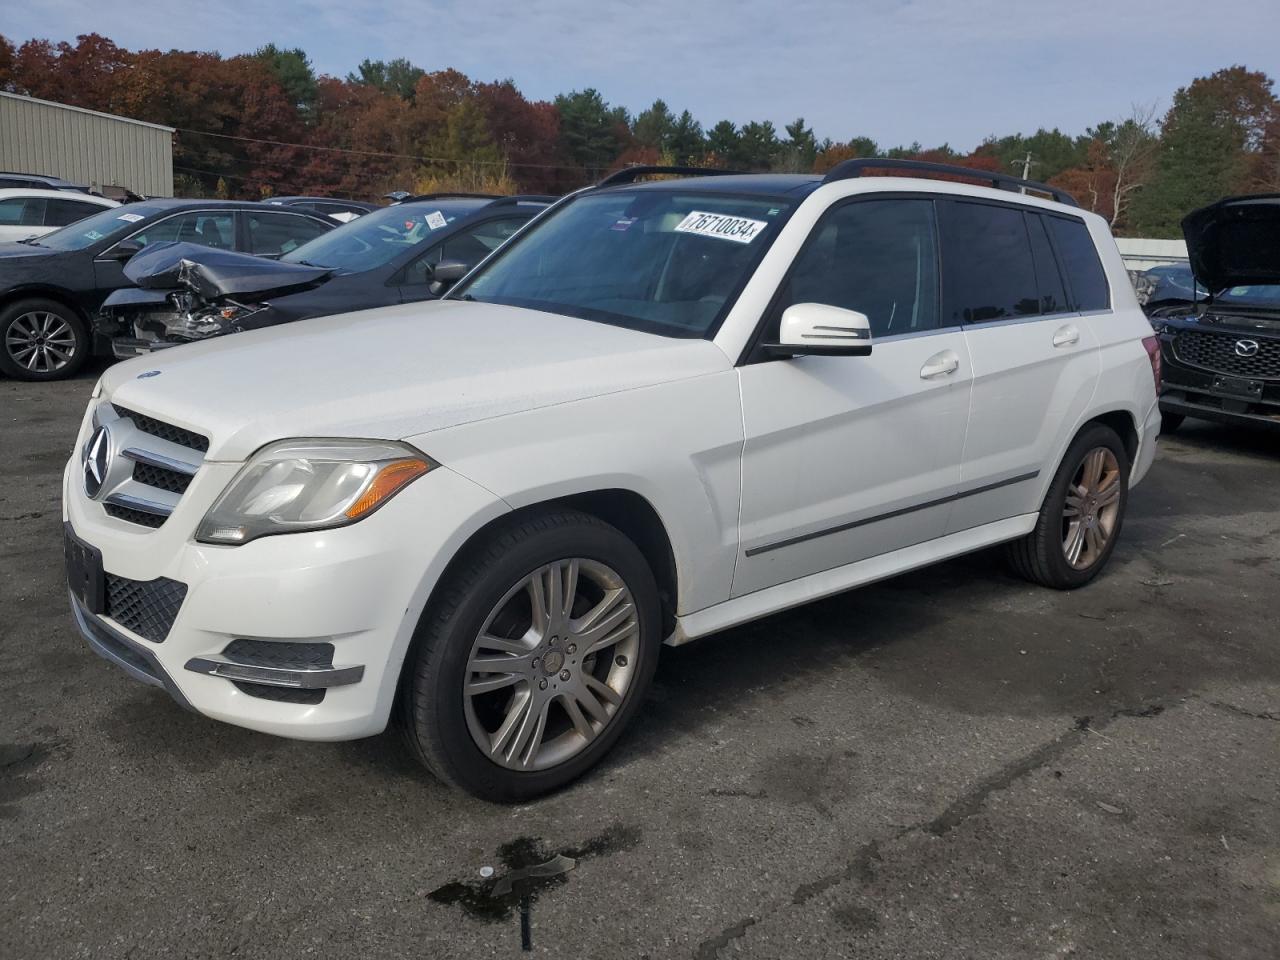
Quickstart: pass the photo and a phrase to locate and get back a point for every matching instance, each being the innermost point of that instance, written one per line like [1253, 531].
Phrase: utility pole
[1027, 164]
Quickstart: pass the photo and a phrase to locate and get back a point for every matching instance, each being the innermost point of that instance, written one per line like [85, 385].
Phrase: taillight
[1152, 345]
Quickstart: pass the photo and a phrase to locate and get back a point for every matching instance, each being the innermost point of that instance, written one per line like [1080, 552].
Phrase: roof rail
[632, 174]
[522, 198]
[849, 169]
[449, 195]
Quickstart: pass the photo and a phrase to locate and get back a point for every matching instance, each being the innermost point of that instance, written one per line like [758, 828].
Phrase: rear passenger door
[1035, 362]
[847, 458]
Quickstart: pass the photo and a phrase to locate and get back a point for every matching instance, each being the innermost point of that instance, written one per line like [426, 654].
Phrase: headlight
[298, 485]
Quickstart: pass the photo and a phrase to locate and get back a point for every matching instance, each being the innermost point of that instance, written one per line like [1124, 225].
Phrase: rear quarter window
[1079, 258]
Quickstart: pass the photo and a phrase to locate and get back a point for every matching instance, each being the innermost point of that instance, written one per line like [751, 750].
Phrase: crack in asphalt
[1242, 712]
[863, 864]
[710, 949]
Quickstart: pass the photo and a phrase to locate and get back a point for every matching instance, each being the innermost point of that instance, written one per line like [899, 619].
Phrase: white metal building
[84, 146]
[1139, 253]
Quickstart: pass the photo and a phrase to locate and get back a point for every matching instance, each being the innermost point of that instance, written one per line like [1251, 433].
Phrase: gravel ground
[949, 764]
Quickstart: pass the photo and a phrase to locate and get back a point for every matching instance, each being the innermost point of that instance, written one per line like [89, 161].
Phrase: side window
[470, 245]
[1089, 289]
[210, 229]
[62, 212]
[874, 256]
[277, 233]
[988, 271]
[1053, 296]
[11, 211]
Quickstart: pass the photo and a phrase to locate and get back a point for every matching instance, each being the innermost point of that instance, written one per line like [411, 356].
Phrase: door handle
[940, 365]
[1066, 336]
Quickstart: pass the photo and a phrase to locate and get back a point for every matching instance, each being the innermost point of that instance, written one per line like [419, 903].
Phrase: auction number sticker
[130, 217]
[436, 220]
[737, 229]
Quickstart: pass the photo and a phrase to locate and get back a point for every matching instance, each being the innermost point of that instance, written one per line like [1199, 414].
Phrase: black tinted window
[62, 212]
[876, 257]
[1080, 262]
[1053, 296]
[988, 270]
[280, 232]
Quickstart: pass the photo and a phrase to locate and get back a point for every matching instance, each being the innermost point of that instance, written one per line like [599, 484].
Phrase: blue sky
[928, 70]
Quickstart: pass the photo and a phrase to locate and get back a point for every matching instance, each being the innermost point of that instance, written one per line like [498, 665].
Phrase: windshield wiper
[30, 241]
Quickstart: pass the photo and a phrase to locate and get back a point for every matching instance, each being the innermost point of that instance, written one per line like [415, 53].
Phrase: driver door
[848, 458]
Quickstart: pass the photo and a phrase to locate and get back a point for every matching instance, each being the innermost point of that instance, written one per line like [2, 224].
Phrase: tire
[459, 735]
[1170, 422]
[1042, 556]
[42, 340]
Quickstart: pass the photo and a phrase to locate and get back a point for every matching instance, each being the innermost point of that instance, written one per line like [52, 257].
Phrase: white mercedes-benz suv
[663, 409]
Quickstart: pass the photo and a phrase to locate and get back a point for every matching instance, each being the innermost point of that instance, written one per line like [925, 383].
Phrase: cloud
[929, 70]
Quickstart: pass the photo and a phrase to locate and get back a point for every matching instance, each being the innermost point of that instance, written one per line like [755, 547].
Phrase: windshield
[114, 223]
[376, 238]
[1259, 295]
[664, 261]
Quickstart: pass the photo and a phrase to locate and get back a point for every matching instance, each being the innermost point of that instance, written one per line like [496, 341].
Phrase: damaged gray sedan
[403, 254]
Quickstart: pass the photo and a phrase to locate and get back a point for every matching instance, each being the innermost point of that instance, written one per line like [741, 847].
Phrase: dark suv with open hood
[1222, 353]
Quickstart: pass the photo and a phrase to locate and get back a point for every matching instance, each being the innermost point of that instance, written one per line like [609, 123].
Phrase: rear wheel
[1081, 517]
[41, 340]
[533, 657]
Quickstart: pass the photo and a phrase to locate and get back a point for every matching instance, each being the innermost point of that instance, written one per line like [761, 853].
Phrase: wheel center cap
[552, 662]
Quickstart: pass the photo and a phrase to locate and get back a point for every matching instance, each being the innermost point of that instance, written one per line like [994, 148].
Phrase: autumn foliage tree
[265, 123]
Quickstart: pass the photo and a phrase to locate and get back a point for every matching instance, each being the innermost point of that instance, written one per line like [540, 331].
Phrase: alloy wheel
[551, 665]
[40, 341]
[1092, 508]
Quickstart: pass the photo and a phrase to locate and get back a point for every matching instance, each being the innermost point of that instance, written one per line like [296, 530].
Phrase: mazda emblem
[1246, 348]
[97, 456]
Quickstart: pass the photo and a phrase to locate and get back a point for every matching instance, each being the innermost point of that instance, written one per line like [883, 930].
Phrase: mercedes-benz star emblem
[149, 373]
[1246, 348]
[97, 453]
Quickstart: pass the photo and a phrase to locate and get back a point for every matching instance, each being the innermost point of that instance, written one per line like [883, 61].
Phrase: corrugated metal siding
[91, 148]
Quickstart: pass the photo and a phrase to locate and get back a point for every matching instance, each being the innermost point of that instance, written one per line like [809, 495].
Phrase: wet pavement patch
[530, 869]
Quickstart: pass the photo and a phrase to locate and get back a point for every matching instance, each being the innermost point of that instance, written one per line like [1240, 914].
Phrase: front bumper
[355, 591]
[1208, 396]
[126, 348]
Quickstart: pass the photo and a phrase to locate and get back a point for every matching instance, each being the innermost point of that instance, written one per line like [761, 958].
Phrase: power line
[379, 153]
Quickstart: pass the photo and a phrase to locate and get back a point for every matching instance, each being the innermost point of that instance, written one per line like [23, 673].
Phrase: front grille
[146, 607]
[161, 478]
[148, 492]
[140, 517]
[1216, 351]
[165, 431]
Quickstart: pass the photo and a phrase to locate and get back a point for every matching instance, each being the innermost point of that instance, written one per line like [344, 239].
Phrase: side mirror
[124, 250]
[821, 329]
[446, 273]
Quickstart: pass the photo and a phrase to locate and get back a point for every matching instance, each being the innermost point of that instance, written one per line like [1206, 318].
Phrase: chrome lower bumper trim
[313, 678]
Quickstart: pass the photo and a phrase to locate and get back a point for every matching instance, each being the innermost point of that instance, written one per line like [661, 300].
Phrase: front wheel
[41, 340]
[1080, 519]
[533, 657]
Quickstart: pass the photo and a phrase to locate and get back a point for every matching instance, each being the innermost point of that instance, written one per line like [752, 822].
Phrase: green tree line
[266, 123]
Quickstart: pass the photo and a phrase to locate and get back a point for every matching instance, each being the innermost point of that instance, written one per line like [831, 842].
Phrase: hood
[1235, 242]
[217, 273]
[395, 372]
[24, 251]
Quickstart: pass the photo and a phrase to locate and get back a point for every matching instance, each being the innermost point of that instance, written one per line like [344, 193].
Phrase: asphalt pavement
[952, 763]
